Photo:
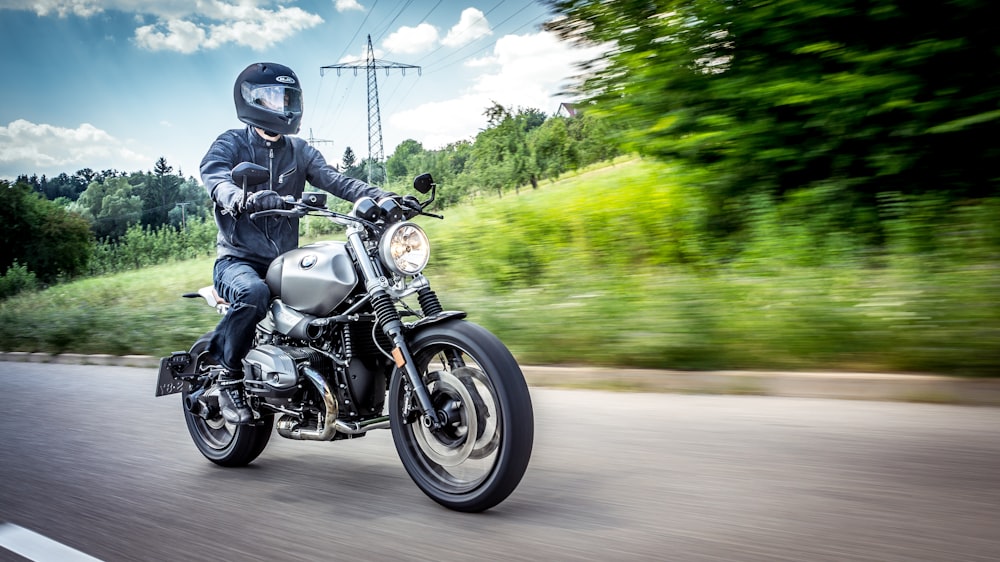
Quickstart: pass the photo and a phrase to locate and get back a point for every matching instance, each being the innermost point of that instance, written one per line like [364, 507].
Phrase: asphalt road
[91, 461]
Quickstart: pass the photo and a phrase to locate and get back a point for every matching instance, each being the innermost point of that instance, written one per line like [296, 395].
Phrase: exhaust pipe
[359, 428]
[326, 426]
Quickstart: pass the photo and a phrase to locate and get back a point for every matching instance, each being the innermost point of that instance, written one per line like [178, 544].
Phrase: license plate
[165, 382]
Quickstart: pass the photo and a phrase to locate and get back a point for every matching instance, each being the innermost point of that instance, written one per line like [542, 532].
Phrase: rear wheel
[223, 443]
[481, 453]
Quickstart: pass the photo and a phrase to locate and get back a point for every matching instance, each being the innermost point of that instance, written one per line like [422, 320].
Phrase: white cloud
[42, 148]
[178, 35]
[409, 40]
[61, 8]
[262, 29]
[244, 25]
[471, 26]
[480, 62]
[530, 70]
[345, 5]
[187, 26]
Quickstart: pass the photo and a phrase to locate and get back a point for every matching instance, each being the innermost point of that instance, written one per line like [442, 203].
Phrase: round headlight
[404, 248]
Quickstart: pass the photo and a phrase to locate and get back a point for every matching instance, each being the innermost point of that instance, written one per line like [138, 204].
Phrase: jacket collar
[257, 140]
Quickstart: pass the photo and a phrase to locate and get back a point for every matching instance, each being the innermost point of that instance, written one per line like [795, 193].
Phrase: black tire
[473, 377]
[223, 443]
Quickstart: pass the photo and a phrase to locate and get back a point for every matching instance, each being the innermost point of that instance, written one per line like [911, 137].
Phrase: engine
[314, 392]
[274, 372]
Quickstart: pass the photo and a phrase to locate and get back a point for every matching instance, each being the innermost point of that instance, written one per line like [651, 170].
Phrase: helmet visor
[282, 100]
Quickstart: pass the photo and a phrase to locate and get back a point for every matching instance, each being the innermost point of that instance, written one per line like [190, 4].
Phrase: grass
[607, 268]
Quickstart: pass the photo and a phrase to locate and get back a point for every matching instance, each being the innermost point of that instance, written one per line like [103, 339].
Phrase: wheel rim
[463, 454]
[452, 445]
[216, 432]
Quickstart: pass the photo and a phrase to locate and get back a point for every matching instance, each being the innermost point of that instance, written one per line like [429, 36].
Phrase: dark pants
[241, 284]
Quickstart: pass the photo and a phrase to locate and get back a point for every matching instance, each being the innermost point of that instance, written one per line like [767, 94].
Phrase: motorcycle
[343, 350]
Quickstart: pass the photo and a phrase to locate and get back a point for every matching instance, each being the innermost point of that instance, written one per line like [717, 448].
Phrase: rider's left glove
[264, 200]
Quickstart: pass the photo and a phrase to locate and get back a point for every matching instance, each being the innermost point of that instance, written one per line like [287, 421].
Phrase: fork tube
[388, 317]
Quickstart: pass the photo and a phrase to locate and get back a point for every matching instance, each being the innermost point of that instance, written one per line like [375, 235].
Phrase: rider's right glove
[265, 200]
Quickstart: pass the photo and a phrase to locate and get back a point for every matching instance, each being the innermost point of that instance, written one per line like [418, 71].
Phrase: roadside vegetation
[777, 185]
[610, 267]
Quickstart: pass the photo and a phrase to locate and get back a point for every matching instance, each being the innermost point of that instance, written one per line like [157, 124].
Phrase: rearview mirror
[423, 183]
[248, 174]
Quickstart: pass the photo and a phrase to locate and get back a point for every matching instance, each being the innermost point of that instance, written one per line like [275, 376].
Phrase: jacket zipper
[270, 166]
[270, 173]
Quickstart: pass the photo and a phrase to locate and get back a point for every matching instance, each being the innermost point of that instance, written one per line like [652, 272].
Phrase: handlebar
[300, 209]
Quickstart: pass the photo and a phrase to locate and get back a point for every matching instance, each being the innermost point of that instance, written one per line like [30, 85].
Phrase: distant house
[566, 110]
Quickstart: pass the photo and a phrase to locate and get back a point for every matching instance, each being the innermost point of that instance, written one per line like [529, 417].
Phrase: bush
[145, 246]
[17, 279]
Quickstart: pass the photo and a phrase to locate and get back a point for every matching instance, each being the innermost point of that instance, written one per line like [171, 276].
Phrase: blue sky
[119, 83]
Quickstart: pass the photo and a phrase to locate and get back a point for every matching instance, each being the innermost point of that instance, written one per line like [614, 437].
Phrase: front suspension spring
[429, 303]
[385, 310]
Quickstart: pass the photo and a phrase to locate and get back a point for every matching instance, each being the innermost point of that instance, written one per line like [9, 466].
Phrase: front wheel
[480, 454]
[221, 442]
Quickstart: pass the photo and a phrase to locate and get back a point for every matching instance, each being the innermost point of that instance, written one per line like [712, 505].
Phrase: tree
[778, 95]
[40, 235]
[500, 154]
[159, 194]
[351, 168]
[349, 158]
[110, 207]
[550, 147]
[193, 203]
[404, 159]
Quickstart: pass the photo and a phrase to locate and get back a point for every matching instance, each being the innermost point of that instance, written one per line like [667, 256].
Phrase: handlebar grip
[277, 212]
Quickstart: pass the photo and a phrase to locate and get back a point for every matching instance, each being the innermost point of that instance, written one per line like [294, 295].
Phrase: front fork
[388, 317]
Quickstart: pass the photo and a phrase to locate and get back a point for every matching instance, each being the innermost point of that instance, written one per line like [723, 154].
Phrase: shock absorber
[429, 303]
[385, 311]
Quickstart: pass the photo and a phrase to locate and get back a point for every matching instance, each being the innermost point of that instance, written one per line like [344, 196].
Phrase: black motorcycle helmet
[269, 96]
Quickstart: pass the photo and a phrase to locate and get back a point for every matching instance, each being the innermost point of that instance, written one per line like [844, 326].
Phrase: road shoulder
[836, 385]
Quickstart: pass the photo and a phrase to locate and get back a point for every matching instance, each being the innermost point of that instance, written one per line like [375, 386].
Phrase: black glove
[264, 200]
[410, 204]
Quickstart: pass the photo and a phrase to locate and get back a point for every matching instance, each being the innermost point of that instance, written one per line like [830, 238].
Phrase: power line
[387, 26]
[356, 31]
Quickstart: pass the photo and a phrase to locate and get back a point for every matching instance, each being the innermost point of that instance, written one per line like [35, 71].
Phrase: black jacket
[291, 161]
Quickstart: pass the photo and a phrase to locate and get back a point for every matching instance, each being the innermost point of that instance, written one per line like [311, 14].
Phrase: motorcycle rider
[268, 100]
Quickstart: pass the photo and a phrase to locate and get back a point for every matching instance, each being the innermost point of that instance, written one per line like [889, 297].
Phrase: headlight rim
[385, 248]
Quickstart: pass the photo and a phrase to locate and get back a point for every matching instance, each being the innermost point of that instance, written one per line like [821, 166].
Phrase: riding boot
[232, 401]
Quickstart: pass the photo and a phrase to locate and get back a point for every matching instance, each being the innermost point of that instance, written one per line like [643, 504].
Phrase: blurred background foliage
[776, 96]
[744, 184]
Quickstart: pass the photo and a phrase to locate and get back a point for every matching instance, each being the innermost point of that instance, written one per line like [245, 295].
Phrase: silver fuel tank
[313, 279]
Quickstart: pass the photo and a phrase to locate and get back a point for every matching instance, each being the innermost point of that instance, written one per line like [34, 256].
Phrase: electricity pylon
[314, 141]
[376, 153]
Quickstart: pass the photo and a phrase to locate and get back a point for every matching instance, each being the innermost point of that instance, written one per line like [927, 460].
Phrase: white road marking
[33, 546]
